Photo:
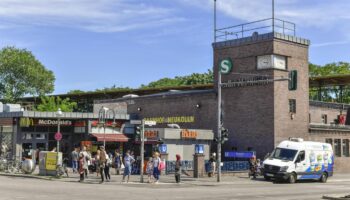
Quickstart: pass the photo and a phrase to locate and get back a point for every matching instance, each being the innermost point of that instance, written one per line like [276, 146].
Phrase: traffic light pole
[142, 149]
[218, 163]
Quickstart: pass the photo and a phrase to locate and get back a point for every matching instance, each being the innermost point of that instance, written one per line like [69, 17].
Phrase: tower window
[292, 106]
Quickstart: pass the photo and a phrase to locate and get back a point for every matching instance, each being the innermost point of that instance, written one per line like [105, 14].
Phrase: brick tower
[258, 111]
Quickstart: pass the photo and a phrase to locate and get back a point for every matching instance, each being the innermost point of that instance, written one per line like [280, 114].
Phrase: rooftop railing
[260, 26]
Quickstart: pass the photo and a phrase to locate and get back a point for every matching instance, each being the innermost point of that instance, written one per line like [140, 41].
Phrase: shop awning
[110, 137]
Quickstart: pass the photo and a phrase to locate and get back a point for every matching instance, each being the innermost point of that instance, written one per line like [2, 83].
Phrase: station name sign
[252, 81]
[175, 119]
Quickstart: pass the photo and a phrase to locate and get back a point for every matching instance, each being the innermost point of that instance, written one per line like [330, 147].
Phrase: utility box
[48, 163]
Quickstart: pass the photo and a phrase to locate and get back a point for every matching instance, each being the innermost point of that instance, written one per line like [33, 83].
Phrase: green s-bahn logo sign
[225, 66]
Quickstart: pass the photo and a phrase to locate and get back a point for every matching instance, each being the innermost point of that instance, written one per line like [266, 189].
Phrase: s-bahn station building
[260, 106]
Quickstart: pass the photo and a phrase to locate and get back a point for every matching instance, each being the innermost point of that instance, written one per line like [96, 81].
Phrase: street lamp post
[102, 120]
[59, 115]
[102, 116]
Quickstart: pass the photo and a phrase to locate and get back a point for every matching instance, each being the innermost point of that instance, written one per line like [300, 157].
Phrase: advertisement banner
[51, 158]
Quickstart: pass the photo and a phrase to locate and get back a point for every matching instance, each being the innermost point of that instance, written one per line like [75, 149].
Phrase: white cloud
[92, 15]
[332, 43]
[313, 13]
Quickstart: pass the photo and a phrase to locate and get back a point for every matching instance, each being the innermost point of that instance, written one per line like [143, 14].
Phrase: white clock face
[272, 62]
[264, 62]
[279, 62]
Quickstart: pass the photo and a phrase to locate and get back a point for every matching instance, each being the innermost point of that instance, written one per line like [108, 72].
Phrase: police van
[296, 159]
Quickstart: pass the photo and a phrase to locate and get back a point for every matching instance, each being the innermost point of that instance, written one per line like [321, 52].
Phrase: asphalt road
[12, 188]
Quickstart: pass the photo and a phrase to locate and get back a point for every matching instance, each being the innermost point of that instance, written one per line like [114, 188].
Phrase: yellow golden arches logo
[26, 122]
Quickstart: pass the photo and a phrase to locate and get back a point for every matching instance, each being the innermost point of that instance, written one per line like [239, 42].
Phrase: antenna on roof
[273, 16]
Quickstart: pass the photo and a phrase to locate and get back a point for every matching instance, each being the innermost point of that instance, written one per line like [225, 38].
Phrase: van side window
[302, 155]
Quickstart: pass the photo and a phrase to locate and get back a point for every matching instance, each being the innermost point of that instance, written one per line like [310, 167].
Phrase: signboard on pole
[136, 122]
[150, 123]
[58, 136]
[163, 148]
[225, 66]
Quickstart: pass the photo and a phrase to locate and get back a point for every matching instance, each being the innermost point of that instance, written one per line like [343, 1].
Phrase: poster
[51, 158]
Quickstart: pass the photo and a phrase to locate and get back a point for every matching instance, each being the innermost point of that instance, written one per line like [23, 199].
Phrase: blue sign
[199, 149]
[239, 154]
[163, 148]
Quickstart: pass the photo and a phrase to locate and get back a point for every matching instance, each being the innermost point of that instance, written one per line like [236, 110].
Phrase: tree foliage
[22, 74]
[331, 93]
[52, 103]
[193, 79]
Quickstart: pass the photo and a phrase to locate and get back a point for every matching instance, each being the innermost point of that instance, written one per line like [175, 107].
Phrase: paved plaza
[232, 187]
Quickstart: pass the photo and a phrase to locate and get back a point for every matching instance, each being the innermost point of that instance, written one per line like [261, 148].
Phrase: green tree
[330, 93]
[22, 74]
[76, 92]
[52, 103]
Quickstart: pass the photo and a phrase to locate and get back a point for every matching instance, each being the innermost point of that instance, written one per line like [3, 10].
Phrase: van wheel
[267, 178]
[292, 178]
[323, 178]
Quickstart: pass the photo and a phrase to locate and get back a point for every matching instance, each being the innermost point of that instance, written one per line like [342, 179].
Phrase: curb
[27, 176]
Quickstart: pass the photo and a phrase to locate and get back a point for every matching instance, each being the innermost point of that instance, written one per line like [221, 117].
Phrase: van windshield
[284, 154]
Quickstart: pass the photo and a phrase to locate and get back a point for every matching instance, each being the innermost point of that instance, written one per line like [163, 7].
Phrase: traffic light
[293, 80]
[224, 135]
[138, 130]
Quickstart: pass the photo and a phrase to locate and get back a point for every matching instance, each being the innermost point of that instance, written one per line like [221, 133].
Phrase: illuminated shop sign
[117, 124]
[175, 119]
[26, 122]
[50, 122]
[151, 134]
[187, 134]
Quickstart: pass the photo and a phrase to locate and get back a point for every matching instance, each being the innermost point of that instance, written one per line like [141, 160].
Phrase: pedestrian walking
[87, 158]
[149, 169]
[212, 166]
[81, 167]
[75, 158]
[107, 167]
[102, 162]
[178, 165]
[97, 162]
[117, 162]
[128, 160]
[252, 167]
[156, 166]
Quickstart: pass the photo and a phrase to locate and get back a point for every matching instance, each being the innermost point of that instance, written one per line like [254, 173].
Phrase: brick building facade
[259, 108]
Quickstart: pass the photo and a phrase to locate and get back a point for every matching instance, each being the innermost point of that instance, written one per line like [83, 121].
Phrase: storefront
[28, 130]
[171, 141]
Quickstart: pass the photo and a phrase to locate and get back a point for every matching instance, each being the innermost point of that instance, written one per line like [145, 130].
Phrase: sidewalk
[168, 180]
[230, 178]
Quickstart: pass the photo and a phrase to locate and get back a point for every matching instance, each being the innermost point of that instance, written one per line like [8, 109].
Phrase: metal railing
[260, 26]
[340, 106]
[329, 126]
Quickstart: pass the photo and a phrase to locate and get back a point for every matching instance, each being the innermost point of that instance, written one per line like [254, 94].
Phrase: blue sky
[92, 44]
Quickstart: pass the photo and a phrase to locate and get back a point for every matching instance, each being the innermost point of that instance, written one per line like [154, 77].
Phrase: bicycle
[62, 169]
